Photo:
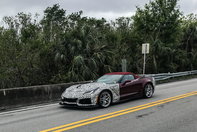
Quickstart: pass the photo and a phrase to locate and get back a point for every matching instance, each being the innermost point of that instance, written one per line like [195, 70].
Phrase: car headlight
[91, 91]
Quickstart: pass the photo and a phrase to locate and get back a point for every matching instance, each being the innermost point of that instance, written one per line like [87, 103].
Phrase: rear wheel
[148, 91]
[105, 99]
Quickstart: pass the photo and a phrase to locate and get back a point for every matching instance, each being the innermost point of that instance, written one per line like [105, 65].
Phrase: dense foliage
[70, 47]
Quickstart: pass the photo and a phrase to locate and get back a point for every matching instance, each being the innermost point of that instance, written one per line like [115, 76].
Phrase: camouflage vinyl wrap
[90, 91]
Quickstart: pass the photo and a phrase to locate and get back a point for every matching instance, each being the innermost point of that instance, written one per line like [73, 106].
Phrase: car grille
[85, 101]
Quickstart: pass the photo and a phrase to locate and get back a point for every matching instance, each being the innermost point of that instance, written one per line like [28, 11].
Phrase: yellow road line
[123, 113]
[117, 113]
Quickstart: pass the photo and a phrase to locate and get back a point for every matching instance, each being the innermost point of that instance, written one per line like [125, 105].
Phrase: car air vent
[70, 99]
[85, 101]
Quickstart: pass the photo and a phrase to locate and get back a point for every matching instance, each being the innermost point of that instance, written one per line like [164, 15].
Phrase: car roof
[119, 73]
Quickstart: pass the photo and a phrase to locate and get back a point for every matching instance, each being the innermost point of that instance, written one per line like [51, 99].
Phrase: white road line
[29, 108]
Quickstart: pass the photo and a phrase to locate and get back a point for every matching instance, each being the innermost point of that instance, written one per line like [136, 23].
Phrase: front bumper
[79, 101]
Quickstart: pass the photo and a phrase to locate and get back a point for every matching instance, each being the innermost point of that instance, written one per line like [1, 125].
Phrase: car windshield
[109, 79]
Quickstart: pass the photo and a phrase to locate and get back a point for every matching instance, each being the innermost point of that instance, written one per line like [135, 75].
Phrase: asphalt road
[177, 114]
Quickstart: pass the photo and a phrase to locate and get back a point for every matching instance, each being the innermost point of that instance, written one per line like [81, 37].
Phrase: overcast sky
[109, 9]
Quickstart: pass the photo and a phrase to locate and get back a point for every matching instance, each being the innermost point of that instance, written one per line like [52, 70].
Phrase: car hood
[86, 87]
[77, 91]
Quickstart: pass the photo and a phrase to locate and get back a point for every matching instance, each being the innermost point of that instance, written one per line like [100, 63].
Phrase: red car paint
[132, 87]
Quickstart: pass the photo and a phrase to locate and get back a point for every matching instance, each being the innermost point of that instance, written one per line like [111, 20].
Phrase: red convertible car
[109, 88]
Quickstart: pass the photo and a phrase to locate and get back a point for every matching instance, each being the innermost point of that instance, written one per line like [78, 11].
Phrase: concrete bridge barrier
[23, 96]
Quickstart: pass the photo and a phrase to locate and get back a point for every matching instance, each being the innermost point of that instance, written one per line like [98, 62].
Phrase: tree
[189, 41]
[70, 47]
[159, 24]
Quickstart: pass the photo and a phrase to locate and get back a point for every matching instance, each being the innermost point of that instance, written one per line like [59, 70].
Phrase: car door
[128, 86]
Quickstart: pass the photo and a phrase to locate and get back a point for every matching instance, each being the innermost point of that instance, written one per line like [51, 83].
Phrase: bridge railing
[164, 76]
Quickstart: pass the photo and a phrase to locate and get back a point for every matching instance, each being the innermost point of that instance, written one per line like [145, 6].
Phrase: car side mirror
[125, 82]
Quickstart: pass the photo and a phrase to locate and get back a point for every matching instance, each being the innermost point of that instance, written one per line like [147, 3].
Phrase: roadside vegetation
[63, 47]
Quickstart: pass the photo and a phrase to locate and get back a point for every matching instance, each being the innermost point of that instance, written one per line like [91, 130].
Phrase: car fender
[114, 90]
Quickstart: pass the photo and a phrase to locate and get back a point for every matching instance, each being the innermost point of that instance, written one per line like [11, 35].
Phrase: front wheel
[148, 91]
[104, 99]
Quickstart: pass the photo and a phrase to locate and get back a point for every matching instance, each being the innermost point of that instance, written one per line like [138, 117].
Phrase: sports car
[109, 88]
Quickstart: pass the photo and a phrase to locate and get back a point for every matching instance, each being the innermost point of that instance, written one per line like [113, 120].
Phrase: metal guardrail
[164, 76]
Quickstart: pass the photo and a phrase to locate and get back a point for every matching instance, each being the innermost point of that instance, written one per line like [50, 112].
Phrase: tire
[148, 90]
[105, 99]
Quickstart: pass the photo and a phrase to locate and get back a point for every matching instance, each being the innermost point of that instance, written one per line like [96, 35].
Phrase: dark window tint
[109, 79]
[127, 77]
